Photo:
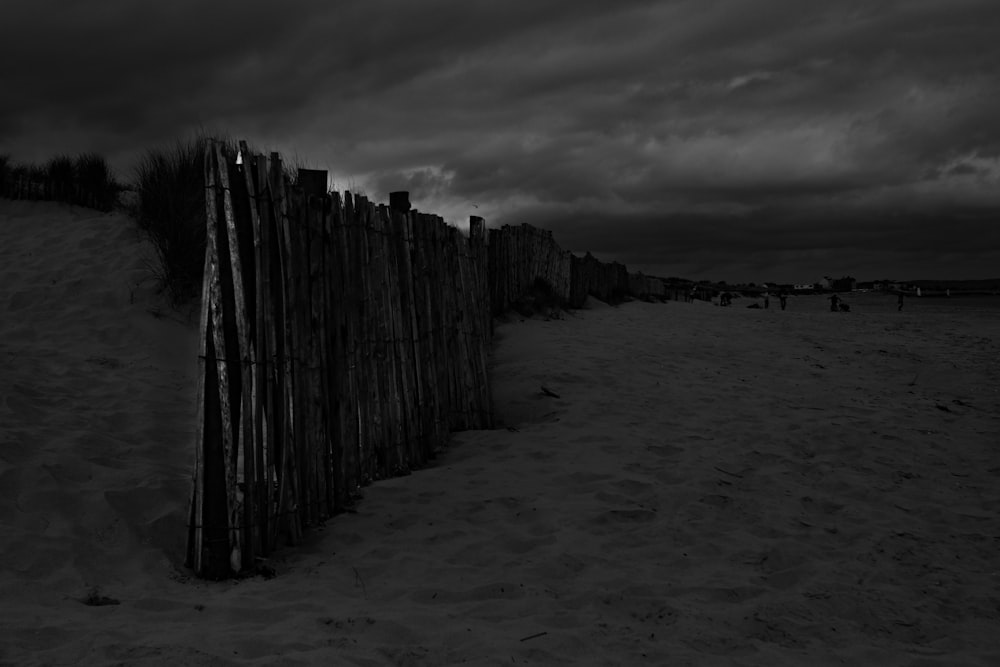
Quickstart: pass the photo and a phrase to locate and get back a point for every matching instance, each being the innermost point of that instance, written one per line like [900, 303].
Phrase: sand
[713, 486]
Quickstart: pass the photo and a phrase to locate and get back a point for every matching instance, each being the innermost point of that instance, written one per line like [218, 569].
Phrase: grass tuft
[94, 598]
[94, 178]
[85, 181]
[7, 176]
[170, 208]
[61, 175]
[539, 299]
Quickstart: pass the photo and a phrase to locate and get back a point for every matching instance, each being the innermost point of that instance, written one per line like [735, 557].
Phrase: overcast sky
[739, 140]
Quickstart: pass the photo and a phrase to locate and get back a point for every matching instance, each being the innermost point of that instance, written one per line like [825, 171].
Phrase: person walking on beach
[834, 303]
[900, 302]
[767, 300]
[783, 299]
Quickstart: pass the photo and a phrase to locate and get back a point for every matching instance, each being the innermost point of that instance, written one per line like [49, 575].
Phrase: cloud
[697, 133]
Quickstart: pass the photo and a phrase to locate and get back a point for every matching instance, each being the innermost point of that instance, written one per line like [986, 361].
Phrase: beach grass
[94, 176]
[86, 180]
[61, 174]
[168, 203]
[61, 169]
[540, 299]
[169, 183]
[170, 209]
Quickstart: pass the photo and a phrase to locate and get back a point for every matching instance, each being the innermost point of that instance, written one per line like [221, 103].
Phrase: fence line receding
[341, 342]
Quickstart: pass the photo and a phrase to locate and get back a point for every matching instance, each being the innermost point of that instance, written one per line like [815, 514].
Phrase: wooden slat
[287, 475]
[222, 557]
[265, 407]
[414, 400]
[275, 409]
[346, 385]
[256, 516]
[197, 505]
[243, 510]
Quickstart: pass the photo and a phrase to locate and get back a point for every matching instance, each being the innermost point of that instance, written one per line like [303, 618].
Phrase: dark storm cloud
[710, 137]
[138, 72]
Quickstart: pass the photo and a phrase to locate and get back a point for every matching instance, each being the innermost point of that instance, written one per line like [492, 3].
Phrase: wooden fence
[342, 342]
[647, 287]
[608, 282]
[521, 255]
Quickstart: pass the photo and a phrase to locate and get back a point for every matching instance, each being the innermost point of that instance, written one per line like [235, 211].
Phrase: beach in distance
[982, 306]
[694, 485]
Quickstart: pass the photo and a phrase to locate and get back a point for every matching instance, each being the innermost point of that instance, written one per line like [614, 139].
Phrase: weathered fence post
[399, 201]
[214, 547]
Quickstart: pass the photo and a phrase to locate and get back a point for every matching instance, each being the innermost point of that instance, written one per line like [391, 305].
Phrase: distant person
[767, 300]
[834, 303]
[899, 302]
[783, 299]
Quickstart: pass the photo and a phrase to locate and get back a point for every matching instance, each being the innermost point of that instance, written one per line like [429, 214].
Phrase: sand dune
[712, 486]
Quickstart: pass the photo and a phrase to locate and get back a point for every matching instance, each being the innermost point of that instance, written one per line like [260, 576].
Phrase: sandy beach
[712, 486]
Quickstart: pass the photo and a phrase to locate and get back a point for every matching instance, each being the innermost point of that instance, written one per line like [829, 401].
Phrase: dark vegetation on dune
[86, 180]
[168, 203]
[166, 200]
[170, 208]
[540, 299]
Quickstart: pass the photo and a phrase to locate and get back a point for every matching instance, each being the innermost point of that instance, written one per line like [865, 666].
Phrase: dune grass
[168, 204]
[539, 299]
[37, 173]
[86, 180]
[170, 209]
[94, 176]
[61, 173]
[169, 183]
